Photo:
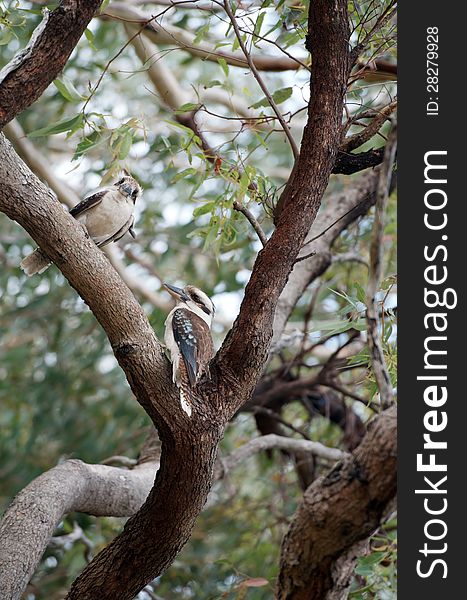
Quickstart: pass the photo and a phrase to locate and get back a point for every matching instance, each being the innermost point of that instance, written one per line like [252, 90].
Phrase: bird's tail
[36, 262]
[185, 399]
[184, 388]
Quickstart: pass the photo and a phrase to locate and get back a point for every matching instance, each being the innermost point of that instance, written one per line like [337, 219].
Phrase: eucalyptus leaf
[279, 96]
[60, 127]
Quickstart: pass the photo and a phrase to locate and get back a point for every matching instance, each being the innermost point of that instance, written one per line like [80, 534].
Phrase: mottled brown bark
[152, 538]
[32, 517]
[348, 163]
[188, 445]
[328, 41]
[23, 85]
[337, 511]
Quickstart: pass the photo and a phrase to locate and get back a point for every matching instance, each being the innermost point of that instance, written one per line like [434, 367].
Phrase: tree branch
[185, 41]
[348, 163]
[99, 490]
[40, 166]
[252, 220]
[338, 510]
[189, 446]
[353, 203]
[31, 71]
[24, 199]
[243, 354]
[169, 89]
[271, 441]
[355, 141]
[259, 79]
[35, 513]
[378, 362]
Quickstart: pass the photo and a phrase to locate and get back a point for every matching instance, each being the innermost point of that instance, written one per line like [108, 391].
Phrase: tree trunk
[337, 511]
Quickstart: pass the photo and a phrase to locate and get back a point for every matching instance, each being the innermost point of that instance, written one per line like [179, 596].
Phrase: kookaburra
[188, 338]
[106, 216]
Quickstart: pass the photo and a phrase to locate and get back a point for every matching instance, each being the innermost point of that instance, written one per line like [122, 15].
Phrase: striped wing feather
[193, 337]
[87, 203]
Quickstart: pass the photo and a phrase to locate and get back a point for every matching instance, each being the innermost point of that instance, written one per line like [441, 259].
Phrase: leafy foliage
[61, 392]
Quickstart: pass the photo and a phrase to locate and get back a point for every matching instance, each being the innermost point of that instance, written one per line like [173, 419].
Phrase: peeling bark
[49, 53]
[338, 510]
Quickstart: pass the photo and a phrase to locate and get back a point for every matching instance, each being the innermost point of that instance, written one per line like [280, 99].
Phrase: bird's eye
[134, 193]
[120, 181]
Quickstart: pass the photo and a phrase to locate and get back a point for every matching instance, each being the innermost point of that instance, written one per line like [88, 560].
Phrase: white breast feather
[172, 346]
[109, 216]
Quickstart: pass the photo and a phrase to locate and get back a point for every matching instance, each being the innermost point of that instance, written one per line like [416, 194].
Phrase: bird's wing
[194, 340]
[119, 234]
[87, 203]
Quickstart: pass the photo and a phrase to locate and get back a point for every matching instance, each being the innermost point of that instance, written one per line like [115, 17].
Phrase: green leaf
[225, 67]
[212, 233]
[205, 209]
[90, 37]
[187, 107]
[68, 90]
[72, 124]
[185, 129]
[5, 37]
[184, 173]
[366, 564]
[201, 33]
[86, 144]
[279, 96]
[211, 84]
[361, 295]
[259, 23]
[104, 5]
[125, 146]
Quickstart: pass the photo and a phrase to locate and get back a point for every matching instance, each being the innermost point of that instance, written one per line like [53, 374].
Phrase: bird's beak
[127, 188]
[176, 292]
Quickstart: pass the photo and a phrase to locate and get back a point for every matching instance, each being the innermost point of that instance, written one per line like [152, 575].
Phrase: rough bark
[48, 55]
[337, 511]
[328, 42]
[32, 517]
[152, 538]
[99, 490]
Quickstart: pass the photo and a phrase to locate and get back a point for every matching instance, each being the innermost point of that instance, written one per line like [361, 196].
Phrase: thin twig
[350, 394]
[94, 88]
[278, 46]
[253, 221]
[260, 81]
[355, 141]
[378, 362]
[262, 410]
[381, 21]
[300, 258]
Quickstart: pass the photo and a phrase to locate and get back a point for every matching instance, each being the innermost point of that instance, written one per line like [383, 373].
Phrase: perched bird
[188, 338]
[106, 216]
